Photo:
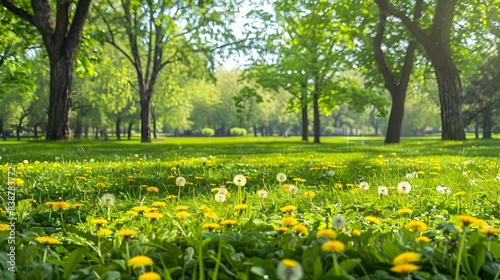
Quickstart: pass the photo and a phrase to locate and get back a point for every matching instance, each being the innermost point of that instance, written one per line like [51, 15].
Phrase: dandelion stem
[217, 262]
[460, 251]
[336, 264]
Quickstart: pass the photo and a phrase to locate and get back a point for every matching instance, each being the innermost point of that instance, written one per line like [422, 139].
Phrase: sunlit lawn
[343, 209]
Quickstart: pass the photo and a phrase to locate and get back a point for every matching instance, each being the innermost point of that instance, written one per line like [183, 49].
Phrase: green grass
[327, 177]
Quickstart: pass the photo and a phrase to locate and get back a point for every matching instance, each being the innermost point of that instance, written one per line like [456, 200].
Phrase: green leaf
[477, 257]
[70, 263]
[349, 264]
[390, 250]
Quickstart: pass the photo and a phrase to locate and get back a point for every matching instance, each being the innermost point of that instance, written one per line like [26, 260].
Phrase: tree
[158, 33]
[61, 39]
[438, 33]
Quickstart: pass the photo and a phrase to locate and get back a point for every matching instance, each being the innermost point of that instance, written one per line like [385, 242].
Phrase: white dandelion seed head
[473, 182]
[404, 187]
[223, 191]
[414, 174]
[409, 176]
[281, 177]
[108, 200]
[286, 271]
[331, 173]
[262, 194]
[293, 189]
[240, 180]
[180, 181]
[443, 189]
[364, 186]
[219, 197]
[339, 222]
[382, 191]
[91, 160]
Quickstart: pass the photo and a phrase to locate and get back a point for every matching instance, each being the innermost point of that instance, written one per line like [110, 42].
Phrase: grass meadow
[250, 208]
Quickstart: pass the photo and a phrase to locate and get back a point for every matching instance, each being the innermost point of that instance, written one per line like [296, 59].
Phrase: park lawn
[328, 219]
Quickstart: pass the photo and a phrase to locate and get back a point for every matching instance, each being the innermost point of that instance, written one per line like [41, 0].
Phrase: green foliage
[237, 131]
[206, 131]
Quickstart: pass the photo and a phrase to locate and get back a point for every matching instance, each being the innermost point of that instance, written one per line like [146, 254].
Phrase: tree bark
[255, 130]
[487, 123]
[61, 76]
[317, 127]
[305, 124]
[393, 134]
[4, 135]
[155, 134]
[117, 128]
[35, 131]
[145, 120]
[129, 130]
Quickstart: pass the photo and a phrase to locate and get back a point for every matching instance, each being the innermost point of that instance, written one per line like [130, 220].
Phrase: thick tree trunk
[78, 130]
[86, 134]
[393, 134]
[155, 134]
[476, 129]
[104, 133]
[4, 135]
[145, 120]
[61, 76]
[255, 130]
[317, 127]
[35, 131]
[305, 124]
[117, 128]
[487, 123]
[450, 97]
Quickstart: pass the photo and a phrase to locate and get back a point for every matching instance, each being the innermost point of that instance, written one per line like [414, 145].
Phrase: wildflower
[404, 187]
[47, 240]
[15, 182]
[339, 222]
[182, 215]
[289, 221]
[293, 189]
[285, 187]
[171, 196]
[416, 225]
[211, 215]
[99, 222]
[154, 215]
[152, 189]
[281, 177]
[443, 189]
[300, 229]
[467, 220]
[140, 261]
[382, 191]
[107, 200]
[406, 257]
[4, 227]
[127, 232]
[364, 186]
[409, 176]
[223, 190]
[60, 205]
[330, 173]
[405, 268]
[326, 233]
[281, 230]
[372, 220]
[205, 208]
[210, 226]
[489, 231]
[289, 270]
[288, 208]
[229, 223]
[159, 204]
[240, 207]
[240, 180]
[180, 181]
[423, 239]
[100, 185]
[459, 193]
[220, 197]
[77, 205]
[140, 209]
[181, 208]
[104, 232]
[262, 194]
[356, 232]
[149, 276]
[309, 194]
[333, 246]
[405, 211]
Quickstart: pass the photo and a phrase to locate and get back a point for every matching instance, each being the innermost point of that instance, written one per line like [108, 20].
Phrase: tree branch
[18, 11]
[76, 29]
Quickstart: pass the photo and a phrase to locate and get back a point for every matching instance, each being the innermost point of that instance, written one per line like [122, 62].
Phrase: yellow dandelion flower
[356, 190]
[205, 208]
[140, 209]
[99, 222]
[67, 174]
[211, 215]
[289, 221]
[4, 227]
[47, 240]
[140, 261]
[288, 208]
[16, 181]
[61, 205]
[240, 207]
[372, 220]
[210, 226]
[333, 246]
[152, 189]
[416, 225]
[327, 233]
[281, 230]
[309, 194]
[285, 187]
[182, 215]
[154, 215]
[300, 229]
[77, 205]
[356, 232]
[100, 185]
[159, 204]
[171, 196]
[423, 239]
[229, 223]
[466, 219]
[405, 211]
[489, 231]
[104, 232]
[181, 208]
[459, 193]
[149, 276]
[406, 257]
[127, 232]
[405, 268]
[132, 213]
